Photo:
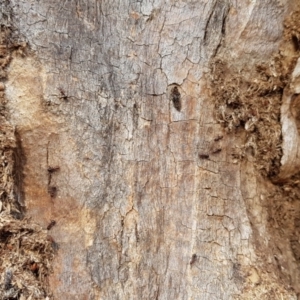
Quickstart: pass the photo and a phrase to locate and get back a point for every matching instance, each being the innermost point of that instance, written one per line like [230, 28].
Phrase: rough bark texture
[120, 145]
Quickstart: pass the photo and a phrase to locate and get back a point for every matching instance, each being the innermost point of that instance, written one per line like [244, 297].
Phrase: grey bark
[136, 195]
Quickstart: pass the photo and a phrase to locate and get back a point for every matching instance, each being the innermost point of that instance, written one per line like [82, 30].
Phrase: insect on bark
[218, 150]
[63, 94]
[218, 138]
[51, 224]
[53, 169]
[204, 156]
[193, 260]
[52, 190]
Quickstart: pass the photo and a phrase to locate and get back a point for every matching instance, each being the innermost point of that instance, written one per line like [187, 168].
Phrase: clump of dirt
[248, 101]
[26, 251]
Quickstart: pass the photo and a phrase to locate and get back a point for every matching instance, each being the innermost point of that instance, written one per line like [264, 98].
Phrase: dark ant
[193, 260]
[53, 169]
[203, 156]
[63, 94]
[51, 224]
[52, 190]
[218, 150]
[219, 137]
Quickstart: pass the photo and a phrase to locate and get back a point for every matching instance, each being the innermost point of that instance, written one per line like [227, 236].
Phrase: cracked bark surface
[114, 93]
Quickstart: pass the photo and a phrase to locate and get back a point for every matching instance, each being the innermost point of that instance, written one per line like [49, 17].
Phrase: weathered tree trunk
[118, 105]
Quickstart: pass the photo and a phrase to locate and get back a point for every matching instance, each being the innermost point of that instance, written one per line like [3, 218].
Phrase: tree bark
[118, 98]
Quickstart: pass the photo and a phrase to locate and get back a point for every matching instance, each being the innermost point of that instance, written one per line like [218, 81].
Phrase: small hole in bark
[176, 98]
